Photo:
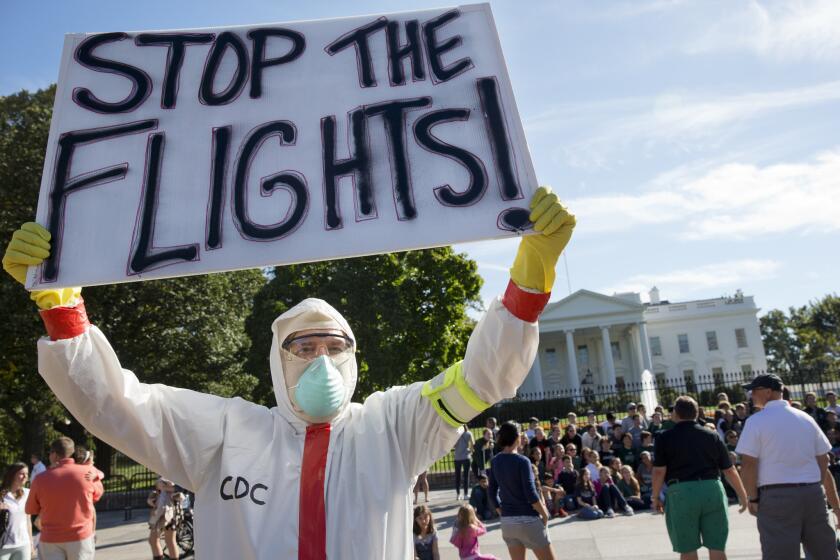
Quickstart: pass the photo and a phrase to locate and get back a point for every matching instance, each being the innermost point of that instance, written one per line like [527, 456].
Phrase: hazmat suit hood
[311, 313]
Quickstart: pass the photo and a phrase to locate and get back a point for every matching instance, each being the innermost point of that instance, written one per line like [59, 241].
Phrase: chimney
[654, 296]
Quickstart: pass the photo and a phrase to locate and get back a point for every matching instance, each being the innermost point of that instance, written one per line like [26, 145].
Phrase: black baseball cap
[765, 381]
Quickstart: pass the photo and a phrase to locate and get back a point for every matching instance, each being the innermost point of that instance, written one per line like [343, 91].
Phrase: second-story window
[682, 339]
[711, 340]
[741, 338]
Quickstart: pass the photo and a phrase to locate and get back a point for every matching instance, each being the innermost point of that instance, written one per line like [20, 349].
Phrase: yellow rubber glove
[538, 254]
[30, 245]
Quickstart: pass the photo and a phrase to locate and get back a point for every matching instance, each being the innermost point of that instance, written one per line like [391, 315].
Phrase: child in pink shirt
[465, 535]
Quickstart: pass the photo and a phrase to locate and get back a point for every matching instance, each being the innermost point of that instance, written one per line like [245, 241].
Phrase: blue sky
[696, 141]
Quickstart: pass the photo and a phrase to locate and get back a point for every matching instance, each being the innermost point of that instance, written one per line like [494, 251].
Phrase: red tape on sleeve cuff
[524, 305]
[65, 322]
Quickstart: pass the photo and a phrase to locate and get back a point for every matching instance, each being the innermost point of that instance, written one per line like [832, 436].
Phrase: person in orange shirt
[64, 496]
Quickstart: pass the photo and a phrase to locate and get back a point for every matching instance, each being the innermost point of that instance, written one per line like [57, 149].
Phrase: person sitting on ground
[540, 441]
[591, 438]
[628, 454]
[617, 437]
[572, 436]
[553, 496]
[571, 451]
[636, 431]
[567, 479]
[615, 469]
[812, 409]
[465, 535]
[731, 440]
[834, 441]
[832, 406]
[425, 536]
[647, 442]
[480, 499]
[533, 424]
[631, 489]
[592, 421]
[556, 434]
[609, 497]
[535, 455]
[641, 410]
[644, 474]
[741, 415]
[587, 498]
[607, 425]
[162, 518]
[524, 445]
[593, 464]
[627, 421]
[555, 461]
[655, 425]
[830, 422]
[606, 451]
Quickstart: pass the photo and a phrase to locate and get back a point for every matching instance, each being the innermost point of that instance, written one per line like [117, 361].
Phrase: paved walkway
[640, 536]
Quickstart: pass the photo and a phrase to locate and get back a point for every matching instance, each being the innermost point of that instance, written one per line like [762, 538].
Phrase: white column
[608, 359]
[643, 335]
[534, 382]
[636, 337]
[571, 354]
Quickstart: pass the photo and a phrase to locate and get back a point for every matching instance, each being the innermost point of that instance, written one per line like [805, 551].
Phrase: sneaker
[628, 511]
[458, 498]
[609, 514]
[562, 513]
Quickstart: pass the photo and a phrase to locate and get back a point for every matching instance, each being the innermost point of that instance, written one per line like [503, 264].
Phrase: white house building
[671, 339]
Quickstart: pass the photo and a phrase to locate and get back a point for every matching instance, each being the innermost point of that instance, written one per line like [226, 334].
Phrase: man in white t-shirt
[783, 461]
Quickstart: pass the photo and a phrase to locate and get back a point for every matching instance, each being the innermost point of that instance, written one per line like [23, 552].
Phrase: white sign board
[183, 152]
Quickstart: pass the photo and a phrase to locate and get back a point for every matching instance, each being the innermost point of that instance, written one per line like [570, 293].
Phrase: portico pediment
[591, 307]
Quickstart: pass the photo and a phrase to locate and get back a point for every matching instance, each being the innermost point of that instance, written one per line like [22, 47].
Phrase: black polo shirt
[690, 452]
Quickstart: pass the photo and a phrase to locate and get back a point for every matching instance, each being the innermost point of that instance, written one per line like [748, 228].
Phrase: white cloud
[681, 284]
[784, 29]
[683, 121]
[734, 200]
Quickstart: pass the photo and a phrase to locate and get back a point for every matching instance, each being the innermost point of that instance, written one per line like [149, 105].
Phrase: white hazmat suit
[253, 468]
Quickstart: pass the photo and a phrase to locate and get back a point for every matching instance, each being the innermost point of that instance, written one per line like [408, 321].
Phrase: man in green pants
[691, 459]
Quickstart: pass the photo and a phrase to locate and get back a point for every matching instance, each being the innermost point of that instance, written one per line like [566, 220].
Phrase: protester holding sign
[262, 476]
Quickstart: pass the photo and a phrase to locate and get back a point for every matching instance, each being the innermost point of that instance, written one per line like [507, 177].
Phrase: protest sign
[184, 152]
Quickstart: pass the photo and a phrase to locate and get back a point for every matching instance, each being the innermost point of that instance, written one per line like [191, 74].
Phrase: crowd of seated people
[599, 469]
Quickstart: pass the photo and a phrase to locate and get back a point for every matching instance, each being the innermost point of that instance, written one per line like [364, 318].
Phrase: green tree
[819, 333]
[24, 399]
[805, 342]
[781, 344]
[187, 332]
[408, 312]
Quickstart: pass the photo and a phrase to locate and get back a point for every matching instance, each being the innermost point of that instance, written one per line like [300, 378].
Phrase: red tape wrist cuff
[524, 305]
[65, 322]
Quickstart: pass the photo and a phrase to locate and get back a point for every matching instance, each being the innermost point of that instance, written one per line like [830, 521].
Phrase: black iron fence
[129, 482]
[602, 399]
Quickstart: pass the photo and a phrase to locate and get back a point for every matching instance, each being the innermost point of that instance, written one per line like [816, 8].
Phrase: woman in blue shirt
[514, 494]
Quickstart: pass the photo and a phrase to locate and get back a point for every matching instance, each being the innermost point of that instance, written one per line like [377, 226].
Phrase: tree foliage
[408, 312]
[805, 341]
[187, 332]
